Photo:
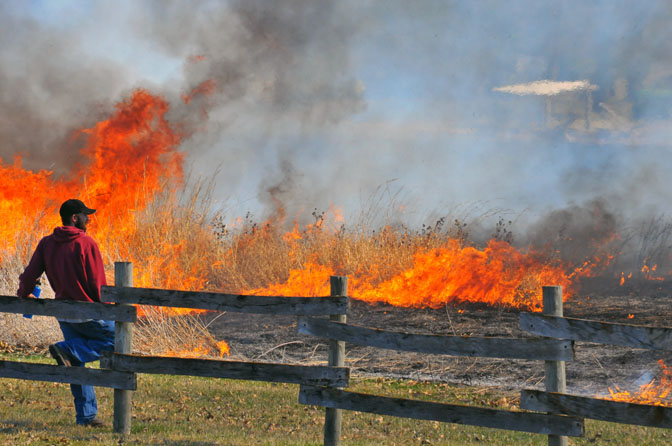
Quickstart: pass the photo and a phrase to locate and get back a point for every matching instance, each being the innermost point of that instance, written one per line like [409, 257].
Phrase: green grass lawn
[176, 410]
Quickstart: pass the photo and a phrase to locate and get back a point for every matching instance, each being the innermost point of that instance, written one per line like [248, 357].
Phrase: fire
[655, 392]
[131, 157]
[648, 273]
[130, 170]
[498, 274]
[126, 159]
[126, 162]
[200, 351]
[624, 278]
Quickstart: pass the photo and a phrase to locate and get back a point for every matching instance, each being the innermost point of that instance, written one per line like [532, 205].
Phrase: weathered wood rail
[228, 302]
[70, 375]
[119, 368]
[554, 413]
[489, 347]
[536, 423]
[209, 368]
[66, 308]
[598, 409]
[634, 336]
[553, 351]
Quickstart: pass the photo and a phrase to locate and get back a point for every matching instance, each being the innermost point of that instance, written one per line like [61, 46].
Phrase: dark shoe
[59, 355]
[96, 422]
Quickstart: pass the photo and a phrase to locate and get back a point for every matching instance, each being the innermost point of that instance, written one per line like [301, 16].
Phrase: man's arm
[33, 271]
[95, 271]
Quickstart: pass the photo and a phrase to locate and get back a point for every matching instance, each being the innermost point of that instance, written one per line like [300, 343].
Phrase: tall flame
[125, 161]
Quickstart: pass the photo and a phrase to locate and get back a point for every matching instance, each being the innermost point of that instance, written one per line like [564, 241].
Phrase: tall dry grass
[180, 241]
[15, 330]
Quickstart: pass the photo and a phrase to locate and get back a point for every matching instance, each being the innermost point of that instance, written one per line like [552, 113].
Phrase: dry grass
[15, 330]
[185, 335]
[179, 241]
[260, 254]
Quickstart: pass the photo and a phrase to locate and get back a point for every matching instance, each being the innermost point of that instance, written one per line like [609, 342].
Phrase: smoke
[308, 104]
[47, 91]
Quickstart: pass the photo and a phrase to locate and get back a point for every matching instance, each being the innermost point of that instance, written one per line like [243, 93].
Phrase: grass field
[170, 410]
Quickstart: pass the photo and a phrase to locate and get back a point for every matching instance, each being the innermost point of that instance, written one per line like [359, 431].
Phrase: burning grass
[655, 392]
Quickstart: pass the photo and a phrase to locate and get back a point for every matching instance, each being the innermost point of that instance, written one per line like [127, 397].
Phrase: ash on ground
[597, 367]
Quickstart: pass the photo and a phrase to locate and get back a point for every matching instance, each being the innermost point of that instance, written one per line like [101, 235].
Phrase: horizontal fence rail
[251, 371]
[635, 336]
[66, 309]
[227, 302]
[449, 413]
[70, 375]
[598, 409]
[510, 348]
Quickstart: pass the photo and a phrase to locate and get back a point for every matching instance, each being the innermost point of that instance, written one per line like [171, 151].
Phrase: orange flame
[499, 274]
[127, 159]
[656, 392]
[200, 351]
[647, 272]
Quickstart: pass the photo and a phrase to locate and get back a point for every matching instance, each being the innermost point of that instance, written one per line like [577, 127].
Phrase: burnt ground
[597, 367]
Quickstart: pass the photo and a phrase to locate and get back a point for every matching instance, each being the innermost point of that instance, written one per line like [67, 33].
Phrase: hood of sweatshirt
[63, 234]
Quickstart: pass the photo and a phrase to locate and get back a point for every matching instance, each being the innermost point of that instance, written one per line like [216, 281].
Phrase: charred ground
[597, 367]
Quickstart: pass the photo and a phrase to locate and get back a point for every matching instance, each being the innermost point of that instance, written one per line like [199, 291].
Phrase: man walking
[74, 268]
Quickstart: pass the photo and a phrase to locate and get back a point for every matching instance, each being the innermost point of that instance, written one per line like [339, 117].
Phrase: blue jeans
[83, 343]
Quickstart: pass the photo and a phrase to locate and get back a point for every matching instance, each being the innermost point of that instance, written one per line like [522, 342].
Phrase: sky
[385, 107]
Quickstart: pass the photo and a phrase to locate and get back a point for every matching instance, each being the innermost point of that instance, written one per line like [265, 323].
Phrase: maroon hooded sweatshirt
[73, 264]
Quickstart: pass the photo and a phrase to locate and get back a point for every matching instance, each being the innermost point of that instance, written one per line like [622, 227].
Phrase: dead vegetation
[178, 241]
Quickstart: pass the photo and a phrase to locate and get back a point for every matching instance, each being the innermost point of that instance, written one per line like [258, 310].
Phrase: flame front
[498, 275]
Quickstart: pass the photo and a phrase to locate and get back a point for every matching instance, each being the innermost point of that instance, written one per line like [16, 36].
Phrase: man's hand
[31, 296]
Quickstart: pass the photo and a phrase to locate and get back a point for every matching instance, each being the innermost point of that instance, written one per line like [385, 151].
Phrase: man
[74, 267]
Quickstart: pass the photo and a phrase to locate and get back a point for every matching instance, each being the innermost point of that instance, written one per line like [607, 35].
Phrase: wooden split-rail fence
[552, 412]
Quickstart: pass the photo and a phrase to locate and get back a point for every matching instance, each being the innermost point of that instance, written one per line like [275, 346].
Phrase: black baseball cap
[74, 206]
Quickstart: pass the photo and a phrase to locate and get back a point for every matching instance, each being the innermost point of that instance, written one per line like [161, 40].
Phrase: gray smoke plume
[47, 91]
[309, 103]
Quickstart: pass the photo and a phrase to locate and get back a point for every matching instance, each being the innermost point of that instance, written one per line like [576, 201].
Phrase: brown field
[178, 242]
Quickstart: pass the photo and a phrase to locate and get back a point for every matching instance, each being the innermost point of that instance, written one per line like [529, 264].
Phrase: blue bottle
[36, 292]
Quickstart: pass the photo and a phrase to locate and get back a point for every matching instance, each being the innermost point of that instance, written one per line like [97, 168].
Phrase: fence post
[332, 420]
[555, 370]
[123, 337]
